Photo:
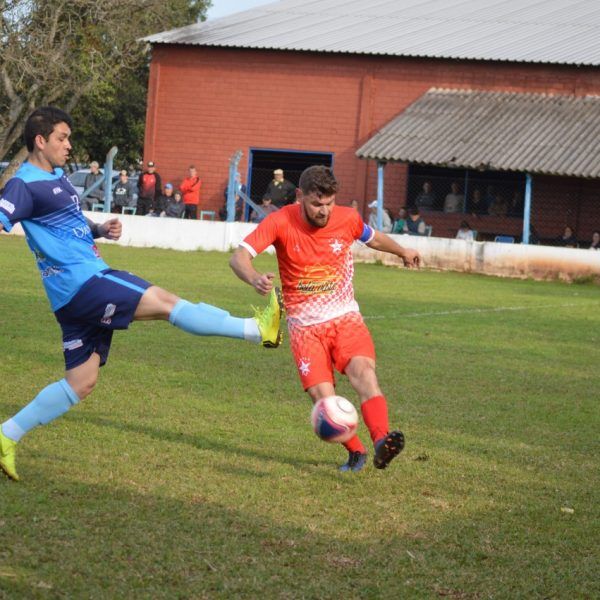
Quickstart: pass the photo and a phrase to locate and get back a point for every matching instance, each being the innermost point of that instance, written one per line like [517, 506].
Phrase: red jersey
[315, 263]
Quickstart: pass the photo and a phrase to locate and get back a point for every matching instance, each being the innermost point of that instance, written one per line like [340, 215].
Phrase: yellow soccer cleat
[269, 320]
[7, 456]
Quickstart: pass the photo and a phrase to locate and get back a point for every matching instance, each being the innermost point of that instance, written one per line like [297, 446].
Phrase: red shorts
[319, 348]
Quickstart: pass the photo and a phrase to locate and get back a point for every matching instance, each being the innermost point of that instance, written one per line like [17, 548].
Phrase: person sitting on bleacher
[465, 232]
[124, 193]
[400, 223]
[415, 224]
[595, 241]
[174, 206]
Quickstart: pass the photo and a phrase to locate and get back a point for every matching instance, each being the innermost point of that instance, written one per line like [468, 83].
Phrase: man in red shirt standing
[149, 188]
[190, 188]
[313, 240]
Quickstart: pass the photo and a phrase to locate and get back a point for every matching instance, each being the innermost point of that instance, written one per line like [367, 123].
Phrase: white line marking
[467, 311]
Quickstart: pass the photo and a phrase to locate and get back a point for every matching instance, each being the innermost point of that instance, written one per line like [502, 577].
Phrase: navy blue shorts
[107, 301]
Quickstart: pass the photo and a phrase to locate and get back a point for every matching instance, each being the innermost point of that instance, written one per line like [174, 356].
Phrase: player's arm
[380, 241]
[241, 264]
[110, 229]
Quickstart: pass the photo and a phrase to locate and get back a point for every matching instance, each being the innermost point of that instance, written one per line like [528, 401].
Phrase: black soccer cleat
[387, 448]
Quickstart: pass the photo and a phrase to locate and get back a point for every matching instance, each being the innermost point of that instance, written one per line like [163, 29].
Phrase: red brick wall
[205, 103]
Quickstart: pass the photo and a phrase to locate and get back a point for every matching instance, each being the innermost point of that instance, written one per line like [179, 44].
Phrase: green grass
[192, 472]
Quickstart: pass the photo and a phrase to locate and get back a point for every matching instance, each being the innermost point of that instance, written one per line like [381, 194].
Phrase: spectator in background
[426, 198]
[149, 187]
[400, 223]
[280, 190]
[454, 201]
[91, 178]
[160, 203]
[595, 241]
[174, 206]
[490, 196]
[190, 188]
[415, 224]
[465, 232]
[499, 206]
[568, 238]
[386, 222]
[516, 204]
[354, 205]
[477, 205]
[239, 203]
[268, 208]
[124, 193]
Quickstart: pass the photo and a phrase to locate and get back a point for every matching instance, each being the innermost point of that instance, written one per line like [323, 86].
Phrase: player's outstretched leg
[388, 444]
[206, 320]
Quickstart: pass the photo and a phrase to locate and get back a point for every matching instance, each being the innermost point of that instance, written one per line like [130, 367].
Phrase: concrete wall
[507, 260]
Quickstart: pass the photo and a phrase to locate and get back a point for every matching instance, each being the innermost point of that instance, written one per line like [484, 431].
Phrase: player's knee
[83, 386]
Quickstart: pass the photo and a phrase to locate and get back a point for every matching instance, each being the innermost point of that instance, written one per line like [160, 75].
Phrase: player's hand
[411, 258]
[263, 284]
[111, 229]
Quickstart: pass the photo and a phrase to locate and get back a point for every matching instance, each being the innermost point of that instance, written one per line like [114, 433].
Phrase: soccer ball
[334, 419]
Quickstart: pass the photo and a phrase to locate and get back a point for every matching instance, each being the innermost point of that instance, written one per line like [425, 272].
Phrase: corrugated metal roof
[546, 31]
[536, 133]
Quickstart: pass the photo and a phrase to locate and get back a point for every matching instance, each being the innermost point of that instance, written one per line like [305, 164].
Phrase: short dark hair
[41, 122]
[318, 179]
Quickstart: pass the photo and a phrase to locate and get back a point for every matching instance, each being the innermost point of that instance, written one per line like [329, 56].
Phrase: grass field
[192, 472]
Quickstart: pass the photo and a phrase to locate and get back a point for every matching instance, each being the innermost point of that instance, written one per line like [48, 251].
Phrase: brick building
[298, 82]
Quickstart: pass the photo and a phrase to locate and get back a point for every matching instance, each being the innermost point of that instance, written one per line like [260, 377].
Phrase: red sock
[355, 445]
[375, 415]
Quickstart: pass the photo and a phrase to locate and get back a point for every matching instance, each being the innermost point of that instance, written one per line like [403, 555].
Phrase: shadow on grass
[197, 441]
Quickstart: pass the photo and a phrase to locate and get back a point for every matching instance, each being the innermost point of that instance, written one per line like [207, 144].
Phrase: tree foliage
[63, 51]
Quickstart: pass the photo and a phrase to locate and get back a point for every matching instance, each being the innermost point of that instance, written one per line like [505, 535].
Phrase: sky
[222, 8]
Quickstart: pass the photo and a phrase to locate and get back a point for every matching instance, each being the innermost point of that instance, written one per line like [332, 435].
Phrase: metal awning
[500, 131]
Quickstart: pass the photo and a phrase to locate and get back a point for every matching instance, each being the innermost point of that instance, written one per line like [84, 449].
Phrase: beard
[315, 222]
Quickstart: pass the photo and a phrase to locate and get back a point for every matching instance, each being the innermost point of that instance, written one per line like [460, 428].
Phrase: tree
[60, 51]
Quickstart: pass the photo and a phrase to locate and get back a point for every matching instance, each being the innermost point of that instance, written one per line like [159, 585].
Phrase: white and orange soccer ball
[334, 419]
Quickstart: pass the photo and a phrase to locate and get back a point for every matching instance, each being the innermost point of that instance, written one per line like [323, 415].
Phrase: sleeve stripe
[367, 234]
[249, 248]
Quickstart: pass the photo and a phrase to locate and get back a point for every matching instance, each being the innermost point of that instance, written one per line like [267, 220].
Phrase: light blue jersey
[48, 208]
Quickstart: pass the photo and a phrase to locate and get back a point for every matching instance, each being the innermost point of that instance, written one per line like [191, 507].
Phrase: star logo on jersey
[304, 366]
[336, 246]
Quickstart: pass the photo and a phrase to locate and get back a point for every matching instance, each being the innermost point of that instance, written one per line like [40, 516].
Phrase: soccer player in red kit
[313, 240]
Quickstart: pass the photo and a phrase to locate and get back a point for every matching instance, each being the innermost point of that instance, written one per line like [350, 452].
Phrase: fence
[564, 211]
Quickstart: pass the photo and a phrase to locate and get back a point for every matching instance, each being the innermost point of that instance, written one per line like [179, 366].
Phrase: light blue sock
[204, 319]
[53, 401]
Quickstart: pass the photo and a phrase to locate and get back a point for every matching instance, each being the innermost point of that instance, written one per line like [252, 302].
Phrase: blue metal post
[527, 209]
[380, 183]
[108, 169]
[233, 185]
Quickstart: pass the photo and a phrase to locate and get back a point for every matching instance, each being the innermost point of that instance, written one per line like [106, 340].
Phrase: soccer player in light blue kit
[89, 299]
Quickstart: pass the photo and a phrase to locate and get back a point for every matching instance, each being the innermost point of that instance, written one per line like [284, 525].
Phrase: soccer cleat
[387, 448]
[356, 461]
[269, 320]
[7, 456]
